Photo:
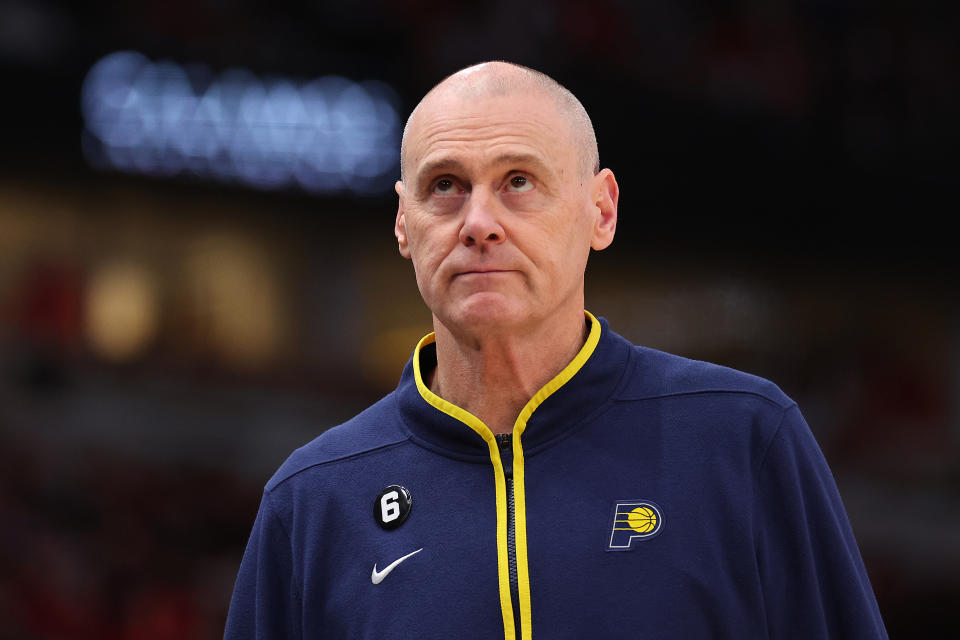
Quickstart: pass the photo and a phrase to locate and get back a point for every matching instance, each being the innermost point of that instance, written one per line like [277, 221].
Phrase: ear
[605, 193]
[400, 226]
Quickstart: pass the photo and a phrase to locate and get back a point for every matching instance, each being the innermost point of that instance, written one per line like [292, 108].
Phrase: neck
[494, 375]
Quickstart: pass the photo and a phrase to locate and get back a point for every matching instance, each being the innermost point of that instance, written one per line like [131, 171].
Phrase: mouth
[483, 271]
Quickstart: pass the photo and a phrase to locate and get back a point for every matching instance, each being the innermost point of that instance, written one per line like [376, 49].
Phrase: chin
[483, 312]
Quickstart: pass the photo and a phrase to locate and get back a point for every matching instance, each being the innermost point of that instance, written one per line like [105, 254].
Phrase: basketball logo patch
[634, 520]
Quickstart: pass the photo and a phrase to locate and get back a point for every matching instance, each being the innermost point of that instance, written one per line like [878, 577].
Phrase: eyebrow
[448, 164]
[438, 165]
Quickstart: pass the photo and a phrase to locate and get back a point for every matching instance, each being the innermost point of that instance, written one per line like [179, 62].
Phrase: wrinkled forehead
[449, 122]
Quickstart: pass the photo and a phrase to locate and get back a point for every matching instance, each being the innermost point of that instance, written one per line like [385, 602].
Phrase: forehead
[473, 131]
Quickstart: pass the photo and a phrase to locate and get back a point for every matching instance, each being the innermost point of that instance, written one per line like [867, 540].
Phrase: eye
[519, 184]
[445, 186]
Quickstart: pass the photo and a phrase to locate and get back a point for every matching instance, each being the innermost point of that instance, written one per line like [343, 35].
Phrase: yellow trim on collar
[545, 391]
[519, 492]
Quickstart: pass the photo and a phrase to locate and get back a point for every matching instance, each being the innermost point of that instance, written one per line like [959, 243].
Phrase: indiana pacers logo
[633, 521]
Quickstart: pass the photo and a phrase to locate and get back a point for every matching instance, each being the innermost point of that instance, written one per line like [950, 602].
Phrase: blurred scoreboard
[325, 135]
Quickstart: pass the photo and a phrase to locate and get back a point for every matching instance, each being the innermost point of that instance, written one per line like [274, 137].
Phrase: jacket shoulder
[374, 428]
[657, 374]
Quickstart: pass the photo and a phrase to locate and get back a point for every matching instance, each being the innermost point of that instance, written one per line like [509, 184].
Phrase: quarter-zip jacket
[640, 494]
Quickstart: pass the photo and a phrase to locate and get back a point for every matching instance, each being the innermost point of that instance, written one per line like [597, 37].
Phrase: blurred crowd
[96, 545]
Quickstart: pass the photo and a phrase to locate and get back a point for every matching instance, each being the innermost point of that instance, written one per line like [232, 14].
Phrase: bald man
[534, 473]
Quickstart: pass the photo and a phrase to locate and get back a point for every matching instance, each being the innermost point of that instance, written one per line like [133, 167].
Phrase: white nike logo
[377, 576]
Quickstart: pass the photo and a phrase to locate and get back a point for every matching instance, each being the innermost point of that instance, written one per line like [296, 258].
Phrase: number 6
[389, 507]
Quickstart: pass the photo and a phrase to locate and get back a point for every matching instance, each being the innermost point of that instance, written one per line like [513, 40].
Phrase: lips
[482, 271]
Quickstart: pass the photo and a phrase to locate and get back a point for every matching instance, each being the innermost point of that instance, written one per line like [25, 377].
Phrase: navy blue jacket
[642, 495]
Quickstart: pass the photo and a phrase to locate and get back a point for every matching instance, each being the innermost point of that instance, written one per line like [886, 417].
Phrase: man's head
[501, 199]
[491, 79]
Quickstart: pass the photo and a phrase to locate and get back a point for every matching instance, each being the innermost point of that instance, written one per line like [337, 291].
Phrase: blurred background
[198, 274]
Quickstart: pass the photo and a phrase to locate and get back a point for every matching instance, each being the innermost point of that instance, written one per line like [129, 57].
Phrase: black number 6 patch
[392, 506]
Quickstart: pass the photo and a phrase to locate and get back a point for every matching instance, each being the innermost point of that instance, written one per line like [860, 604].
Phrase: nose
[481, 222]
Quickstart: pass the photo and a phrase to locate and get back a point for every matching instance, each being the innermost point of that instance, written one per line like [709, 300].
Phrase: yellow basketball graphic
[642, 519]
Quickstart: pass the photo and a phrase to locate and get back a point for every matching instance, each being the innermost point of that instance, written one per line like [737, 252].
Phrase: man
[534, 473]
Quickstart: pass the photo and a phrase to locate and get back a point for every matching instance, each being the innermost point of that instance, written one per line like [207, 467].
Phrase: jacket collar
[582, 387]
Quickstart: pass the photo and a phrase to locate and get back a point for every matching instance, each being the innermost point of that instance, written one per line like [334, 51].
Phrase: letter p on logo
[633, 520]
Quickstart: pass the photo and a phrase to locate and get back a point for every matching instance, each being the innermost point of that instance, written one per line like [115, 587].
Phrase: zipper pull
[505, 444]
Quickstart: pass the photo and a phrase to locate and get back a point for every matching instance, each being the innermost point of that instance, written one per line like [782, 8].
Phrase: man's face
[496, 211]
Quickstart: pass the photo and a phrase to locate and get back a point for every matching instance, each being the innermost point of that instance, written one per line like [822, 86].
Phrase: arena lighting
[326, 135]
[122, 310]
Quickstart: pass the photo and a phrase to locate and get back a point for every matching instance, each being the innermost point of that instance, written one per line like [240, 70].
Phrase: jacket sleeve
[814, 581]
[266, 599]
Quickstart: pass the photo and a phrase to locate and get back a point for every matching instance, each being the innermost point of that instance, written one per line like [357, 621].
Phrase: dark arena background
[198, 274]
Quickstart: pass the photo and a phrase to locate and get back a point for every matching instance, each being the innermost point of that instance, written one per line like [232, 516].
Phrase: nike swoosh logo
[377, 576]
